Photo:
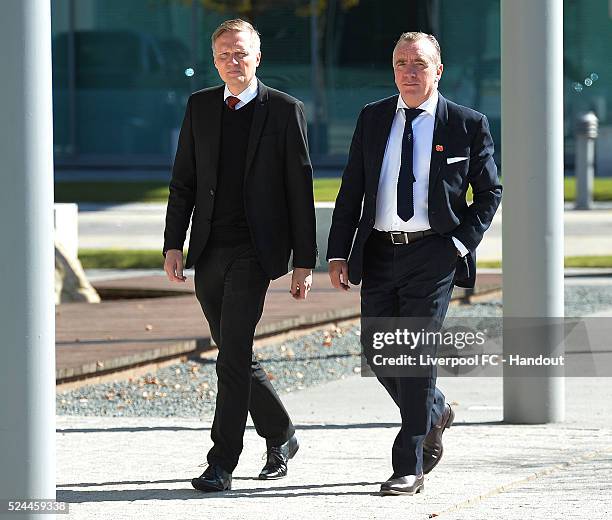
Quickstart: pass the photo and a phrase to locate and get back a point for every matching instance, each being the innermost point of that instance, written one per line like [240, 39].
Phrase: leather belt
[402, 237]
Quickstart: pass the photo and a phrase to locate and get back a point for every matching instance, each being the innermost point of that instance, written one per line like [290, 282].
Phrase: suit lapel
[260, 114]
[214, 123]
[382, 126]
[439, 143]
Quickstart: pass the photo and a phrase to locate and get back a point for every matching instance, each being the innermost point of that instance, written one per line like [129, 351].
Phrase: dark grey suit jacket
[458, 132]
[278, 195]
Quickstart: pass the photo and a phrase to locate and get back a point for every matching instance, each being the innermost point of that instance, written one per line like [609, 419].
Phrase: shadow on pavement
[130, 495]
[360, 426]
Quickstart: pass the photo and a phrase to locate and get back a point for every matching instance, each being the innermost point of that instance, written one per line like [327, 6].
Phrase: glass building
[122, 70]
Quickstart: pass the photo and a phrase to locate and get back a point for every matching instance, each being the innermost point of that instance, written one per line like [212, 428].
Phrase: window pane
[130, 84]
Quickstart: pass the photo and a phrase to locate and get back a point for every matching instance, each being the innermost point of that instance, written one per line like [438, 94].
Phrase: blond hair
[237, 25]
[415, 36]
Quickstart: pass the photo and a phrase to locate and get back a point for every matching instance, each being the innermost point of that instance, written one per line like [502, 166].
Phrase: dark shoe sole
[207, 488]
[266, 477]
[449, 422]
[396, 492]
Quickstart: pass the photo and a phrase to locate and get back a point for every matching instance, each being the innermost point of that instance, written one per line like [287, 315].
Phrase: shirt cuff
[336, 259]
[460, 247]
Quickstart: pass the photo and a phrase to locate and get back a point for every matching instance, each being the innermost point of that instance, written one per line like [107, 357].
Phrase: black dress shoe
[214, 478]
[406, 485]
[432, 446]
[277, 458]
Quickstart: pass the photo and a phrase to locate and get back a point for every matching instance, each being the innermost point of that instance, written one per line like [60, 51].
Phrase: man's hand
[338, 274]
[301, 281]
[174, 265]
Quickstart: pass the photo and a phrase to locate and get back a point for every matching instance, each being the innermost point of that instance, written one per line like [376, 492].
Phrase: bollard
[585, 137]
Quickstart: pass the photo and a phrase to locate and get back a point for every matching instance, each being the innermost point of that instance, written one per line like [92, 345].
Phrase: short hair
[237, 25]
[415, 36]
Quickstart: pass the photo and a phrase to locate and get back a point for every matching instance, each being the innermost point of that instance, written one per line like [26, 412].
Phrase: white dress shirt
[387, 218]
[248, 94]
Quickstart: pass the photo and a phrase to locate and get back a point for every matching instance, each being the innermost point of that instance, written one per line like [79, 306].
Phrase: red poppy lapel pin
[439, 148]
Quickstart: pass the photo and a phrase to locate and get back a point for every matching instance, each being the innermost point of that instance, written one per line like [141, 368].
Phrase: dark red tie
[232, 102]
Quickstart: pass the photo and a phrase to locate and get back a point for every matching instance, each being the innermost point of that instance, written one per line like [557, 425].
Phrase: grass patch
[140, 191]
[489, 264]
[121, 259]
[152, 259]
[588, 261]
[604, 261]
[325, 190]
[602, 189]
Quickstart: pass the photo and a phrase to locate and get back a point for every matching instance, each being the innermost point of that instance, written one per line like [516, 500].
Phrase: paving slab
[134, 468]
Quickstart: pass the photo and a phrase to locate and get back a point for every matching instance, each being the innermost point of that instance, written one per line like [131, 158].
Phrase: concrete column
[27, 312]
[585, 137]
[532, 169]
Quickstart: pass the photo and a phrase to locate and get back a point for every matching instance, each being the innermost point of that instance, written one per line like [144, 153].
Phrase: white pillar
[27, 368]
[532, 169]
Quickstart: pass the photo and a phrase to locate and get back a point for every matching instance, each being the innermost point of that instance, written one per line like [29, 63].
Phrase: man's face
[416, 72]
[236, 59]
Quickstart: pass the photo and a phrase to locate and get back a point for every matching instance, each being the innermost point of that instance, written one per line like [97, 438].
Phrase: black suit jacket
[278, 195]
[458, 132]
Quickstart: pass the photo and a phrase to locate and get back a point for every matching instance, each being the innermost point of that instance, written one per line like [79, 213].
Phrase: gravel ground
[189, 389]
[581, 300]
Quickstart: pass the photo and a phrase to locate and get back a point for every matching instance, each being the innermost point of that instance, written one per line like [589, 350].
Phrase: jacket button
[212, 193]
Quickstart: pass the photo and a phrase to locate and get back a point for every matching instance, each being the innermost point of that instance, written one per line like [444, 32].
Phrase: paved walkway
[141, 468]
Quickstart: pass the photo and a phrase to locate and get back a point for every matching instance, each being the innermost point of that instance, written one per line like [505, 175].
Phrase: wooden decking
[93, 339]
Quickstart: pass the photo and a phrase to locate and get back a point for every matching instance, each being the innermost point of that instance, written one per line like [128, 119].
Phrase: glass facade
[123, 70]
[119, 79]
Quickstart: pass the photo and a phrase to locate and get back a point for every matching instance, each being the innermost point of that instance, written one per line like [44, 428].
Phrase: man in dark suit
[403, 193]
[242, 168]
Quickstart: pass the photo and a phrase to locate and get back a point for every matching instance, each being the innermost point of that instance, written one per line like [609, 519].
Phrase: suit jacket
[278, 194]
[458, 132]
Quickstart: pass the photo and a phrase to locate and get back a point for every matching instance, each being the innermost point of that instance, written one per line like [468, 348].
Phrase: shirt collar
[429, 105]
[246, 95]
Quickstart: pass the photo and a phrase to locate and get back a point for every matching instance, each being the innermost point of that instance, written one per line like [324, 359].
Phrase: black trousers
[413, 281]
[231, 288]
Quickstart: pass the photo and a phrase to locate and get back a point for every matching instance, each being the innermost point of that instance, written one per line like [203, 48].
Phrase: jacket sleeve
[486, 189]
[350, 197]
[299, 190]
[182, 187]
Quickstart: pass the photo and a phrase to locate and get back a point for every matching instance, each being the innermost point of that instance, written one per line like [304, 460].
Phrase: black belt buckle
[402, 234]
